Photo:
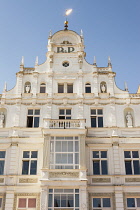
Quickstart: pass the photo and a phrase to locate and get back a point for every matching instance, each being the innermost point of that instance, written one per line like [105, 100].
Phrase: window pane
[26, 154]
[100, 122]
[36, 122]
[56, 200]
[103, 154]
[93, 111]
[96, 202]
[1, 167]
[138, 202]
[76, 146]
[99, 111]
[76, 200]
[37, 111]
[61, 111]
[0, 202]
[30, 111]
[96, 167]
[106, 202]
[70, 88]
[95, 154]
[58, 146]
[88, 89]
[64, 158]
[58, 158]
[136, 167]
[2, 154]
[34, 154]
[50, 203]
[63, 201]
[130, 202]
[22, 203]
[70, 202]
[135, 154]
[31, 203]
[127, 154]
[29, 122]
[25, 167]
[128, 168]
[60, 88]
[93, 122]
[42, 89]
[64, 146]
[68, 111]
[76, 158]
[33, 168]
[104, 166]
[70, 146]
[70, 158]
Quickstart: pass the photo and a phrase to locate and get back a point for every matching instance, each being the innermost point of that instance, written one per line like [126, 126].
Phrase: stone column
[83, 198]
[46, 151]
[44, 199]
[9, 200]
[119, 198]
[82, 152]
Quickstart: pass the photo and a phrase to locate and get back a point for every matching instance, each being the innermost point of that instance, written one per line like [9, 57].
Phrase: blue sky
[111, 28]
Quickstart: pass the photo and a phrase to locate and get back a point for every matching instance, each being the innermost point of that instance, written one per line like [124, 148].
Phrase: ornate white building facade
[69, 137]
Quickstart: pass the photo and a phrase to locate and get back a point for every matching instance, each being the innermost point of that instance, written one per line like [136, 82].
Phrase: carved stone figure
[103, 88]
[27, 89]
[129, 120]
[2, 117]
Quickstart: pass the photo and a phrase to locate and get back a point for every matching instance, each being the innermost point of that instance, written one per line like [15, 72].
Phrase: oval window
[65, 64]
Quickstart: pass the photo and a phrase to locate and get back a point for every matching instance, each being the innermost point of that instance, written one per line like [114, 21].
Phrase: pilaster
[82, 152]
[44, 198]
[9, 200]
[119, 198]
[46, 151]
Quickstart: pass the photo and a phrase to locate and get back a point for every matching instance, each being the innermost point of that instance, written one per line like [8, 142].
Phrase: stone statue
[27, 89]
[103, 88]
[129, 122]
[2, 117]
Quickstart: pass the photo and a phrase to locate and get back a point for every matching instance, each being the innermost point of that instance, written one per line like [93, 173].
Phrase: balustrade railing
[64, 124]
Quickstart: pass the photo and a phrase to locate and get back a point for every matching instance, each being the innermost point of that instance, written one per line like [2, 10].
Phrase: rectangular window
[64, 153]
[29, 163]
[27, 203]
[99, 159]
[103, 203]
[63, 199]
[60, 88]
[132, 162]
[33, 118]
[65, 88]
[2, 162]
[64, 113]
[133, 203]
[96, 118]
[0, 203]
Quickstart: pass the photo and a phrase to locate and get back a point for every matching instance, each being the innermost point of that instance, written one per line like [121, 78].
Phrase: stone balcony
[64, 124]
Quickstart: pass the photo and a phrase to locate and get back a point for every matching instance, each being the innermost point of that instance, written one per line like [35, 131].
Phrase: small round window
[65, 64]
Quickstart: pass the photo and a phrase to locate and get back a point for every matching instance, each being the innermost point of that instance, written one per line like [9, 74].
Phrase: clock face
[65, 49]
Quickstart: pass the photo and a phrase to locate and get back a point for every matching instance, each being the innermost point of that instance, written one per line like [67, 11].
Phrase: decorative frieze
[1, 180]
[64, 175]
[132, 179]
[28, 180]
[101, 180]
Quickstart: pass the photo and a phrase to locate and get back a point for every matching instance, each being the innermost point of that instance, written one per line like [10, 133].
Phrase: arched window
[103, 87]
[87, 88]
[42, 88]
[27, 87]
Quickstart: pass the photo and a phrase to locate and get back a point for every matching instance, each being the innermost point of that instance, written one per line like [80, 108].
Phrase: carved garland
[37, 195]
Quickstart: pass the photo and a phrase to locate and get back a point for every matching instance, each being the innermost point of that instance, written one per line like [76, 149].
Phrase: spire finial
[50, 33]
[36, 61]
[109, 62]
[94, 62]
[81, 34]
[125, 86]
[5, 87]
[67, 12]
[22, 61]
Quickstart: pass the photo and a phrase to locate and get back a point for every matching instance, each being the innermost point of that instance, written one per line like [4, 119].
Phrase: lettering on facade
[65, 49]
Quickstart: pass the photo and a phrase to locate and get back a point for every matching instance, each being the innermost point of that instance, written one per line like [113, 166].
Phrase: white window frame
[72, 153]
[96, 116]
[101, 207]
[33, 115]
[60, 193]
[30, 159]
[135, 202]
[132, 159]
[27, 198]
[3, 159]
[100, 160]
[65, 115]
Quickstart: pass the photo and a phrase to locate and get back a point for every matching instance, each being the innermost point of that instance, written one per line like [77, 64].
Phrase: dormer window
[88, 88]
